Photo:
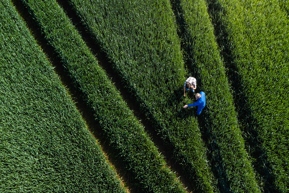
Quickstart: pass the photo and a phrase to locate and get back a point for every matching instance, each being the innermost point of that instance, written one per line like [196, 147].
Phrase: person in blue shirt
[201, 102]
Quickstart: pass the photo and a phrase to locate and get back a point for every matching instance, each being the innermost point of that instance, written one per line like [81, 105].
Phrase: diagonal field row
[141, 41]
[143, 167]
[254, 37]
[124, 44]
[106, 121]
[149, 48]
[231, 162]
[45, 145]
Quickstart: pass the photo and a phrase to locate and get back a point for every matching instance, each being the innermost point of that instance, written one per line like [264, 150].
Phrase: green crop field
[255, 44]
[116, 120]
[45, 144]
[92, 96]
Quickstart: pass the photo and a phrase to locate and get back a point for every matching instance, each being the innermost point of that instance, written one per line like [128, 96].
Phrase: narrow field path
[45, 144]
[213, 148]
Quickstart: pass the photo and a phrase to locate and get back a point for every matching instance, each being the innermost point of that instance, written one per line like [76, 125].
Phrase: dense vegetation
[284, 4]
[237, 50]
[141, 41]
[138, 156]
[220, 119]
[45, 145]
[255, 45]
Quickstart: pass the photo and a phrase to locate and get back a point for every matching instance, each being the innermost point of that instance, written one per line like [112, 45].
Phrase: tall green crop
[284, 5]
[144, 168]
[220, 117]
[140, 40]
[45, 145]
[257, 45]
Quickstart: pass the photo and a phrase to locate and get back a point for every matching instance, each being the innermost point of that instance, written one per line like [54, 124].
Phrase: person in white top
[190, 83]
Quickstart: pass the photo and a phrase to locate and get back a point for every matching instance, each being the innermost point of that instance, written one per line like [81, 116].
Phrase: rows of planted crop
[142, 164]
[220, 117]
[140, 39]
[45, 145]
[258, 33]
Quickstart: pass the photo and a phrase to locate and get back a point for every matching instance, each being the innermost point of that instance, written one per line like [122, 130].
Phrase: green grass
[45, 145]
[284, 5]
[144, 168]
[141, 41]
[220, 117]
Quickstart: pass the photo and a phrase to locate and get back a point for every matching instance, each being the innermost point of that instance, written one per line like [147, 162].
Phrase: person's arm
[193, 87]
[184, 91]
[194, 104]
[185, 88]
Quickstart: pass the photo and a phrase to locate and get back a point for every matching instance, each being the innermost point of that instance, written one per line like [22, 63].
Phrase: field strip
[91, 118]
[177, 128]
[87, 116]
[252, 52]
[262, 166]
[214, 149]
[81, 106]
[45, 145]
[220, 118]
[105, 63]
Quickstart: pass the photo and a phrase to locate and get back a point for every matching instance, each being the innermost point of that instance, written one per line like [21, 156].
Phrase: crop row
[45, 145]
[144, 168]
[257, 37]
[220, 118]
[140, 38]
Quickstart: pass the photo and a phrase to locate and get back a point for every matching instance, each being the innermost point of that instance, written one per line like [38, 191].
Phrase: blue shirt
[201, 103]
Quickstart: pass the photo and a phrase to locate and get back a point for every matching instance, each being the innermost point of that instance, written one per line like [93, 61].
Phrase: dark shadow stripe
[72, 86]
[204, 120]
[80, 97]
[135, 103]
[248, 124]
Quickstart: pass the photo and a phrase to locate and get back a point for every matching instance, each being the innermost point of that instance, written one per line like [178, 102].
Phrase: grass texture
[143, 166]
[219, 119]
[256, 47]
[45, 145]
[140, 40]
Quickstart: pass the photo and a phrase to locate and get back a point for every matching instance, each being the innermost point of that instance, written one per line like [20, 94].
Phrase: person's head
[197, 96]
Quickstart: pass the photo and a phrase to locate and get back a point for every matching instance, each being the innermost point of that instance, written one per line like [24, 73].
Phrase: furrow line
[132, 102]
[210, 139]
[219, 119]
[66, 80]
[247, 121]
[86, 110]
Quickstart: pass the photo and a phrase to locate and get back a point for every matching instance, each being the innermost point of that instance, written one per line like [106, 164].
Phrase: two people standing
[191, 83]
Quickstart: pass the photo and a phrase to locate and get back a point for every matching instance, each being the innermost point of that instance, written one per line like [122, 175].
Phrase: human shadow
[214, 155]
